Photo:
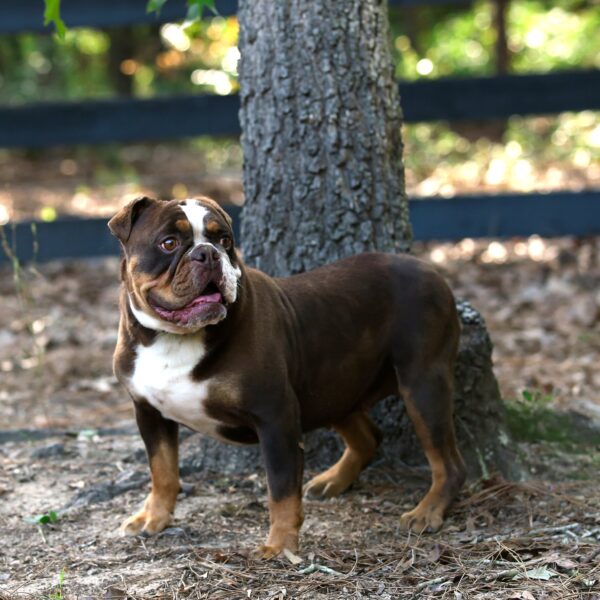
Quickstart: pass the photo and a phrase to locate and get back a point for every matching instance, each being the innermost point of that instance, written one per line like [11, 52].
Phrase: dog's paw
[425, 519]
[326, 485]
[146, 522]
[267, 551]
[278, 541]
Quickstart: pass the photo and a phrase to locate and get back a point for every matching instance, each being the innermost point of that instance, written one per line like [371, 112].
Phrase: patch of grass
[532, 418]
[57, 594]
[27, 302]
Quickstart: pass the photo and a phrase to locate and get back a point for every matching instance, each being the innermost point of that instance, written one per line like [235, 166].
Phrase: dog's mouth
[204, 307]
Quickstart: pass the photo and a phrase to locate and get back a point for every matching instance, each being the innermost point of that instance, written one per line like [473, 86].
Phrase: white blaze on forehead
[195, 213]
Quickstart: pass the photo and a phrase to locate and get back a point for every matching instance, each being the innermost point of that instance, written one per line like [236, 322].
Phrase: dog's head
[180, 267]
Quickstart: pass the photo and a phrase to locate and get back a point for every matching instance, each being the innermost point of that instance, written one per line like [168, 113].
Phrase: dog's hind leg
[361, 437]
[428, 403]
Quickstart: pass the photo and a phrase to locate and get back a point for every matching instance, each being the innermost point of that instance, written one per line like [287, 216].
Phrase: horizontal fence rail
[500, 216]
[118, 120]
[27, 15]
[552, 214]
[456, 99]
[127, 120]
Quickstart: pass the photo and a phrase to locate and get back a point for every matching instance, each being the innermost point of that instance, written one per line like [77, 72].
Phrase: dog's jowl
[228, 351]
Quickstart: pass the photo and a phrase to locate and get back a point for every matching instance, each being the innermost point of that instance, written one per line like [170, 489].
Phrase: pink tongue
[184, 314]
[216, 297]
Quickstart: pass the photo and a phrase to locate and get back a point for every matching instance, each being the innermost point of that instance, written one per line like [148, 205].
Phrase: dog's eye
[169, 244]
[226, 242]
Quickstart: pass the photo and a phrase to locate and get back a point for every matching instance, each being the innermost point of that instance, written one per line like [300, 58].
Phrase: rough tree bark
[323, 179]
[323, 174]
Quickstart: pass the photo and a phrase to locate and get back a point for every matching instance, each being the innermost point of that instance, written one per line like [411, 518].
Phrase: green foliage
[456, 40]
[460, 40]
[427, 41]
[532, 418]
[194, 12]
[52, 15]
[43, 519]
[196, 8]
[155, 5]
[543, 38]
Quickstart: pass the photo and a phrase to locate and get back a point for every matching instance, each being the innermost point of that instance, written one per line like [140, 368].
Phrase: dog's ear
[122, 223]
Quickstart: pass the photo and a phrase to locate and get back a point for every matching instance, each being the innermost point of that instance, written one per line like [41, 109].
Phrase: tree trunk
[122, 47]
[323, 179]
[502, 50]
[323, 174]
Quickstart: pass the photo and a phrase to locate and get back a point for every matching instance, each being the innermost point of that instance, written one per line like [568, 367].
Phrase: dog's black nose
[205, 254]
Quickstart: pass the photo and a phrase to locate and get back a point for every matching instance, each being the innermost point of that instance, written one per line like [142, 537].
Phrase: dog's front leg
[160, 437]
[283, 456]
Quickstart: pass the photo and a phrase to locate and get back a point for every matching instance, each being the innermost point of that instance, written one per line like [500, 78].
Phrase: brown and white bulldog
[228, 351]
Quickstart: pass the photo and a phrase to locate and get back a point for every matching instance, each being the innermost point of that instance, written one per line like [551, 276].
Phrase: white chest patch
[162, 375]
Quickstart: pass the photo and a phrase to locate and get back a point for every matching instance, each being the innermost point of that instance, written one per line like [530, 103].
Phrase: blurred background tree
[521, 154]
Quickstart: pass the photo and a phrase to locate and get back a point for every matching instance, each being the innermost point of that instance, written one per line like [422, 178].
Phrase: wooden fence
[452, 99]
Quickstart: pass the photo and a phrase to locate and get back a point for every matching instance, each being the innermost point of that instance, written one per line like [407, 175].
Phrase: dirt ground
[69, 450]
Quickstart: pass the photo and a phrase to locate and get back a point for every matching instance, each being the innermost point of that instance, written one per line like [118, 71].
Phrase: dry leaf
[293, 558]
[539, 573]
[522, 596]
